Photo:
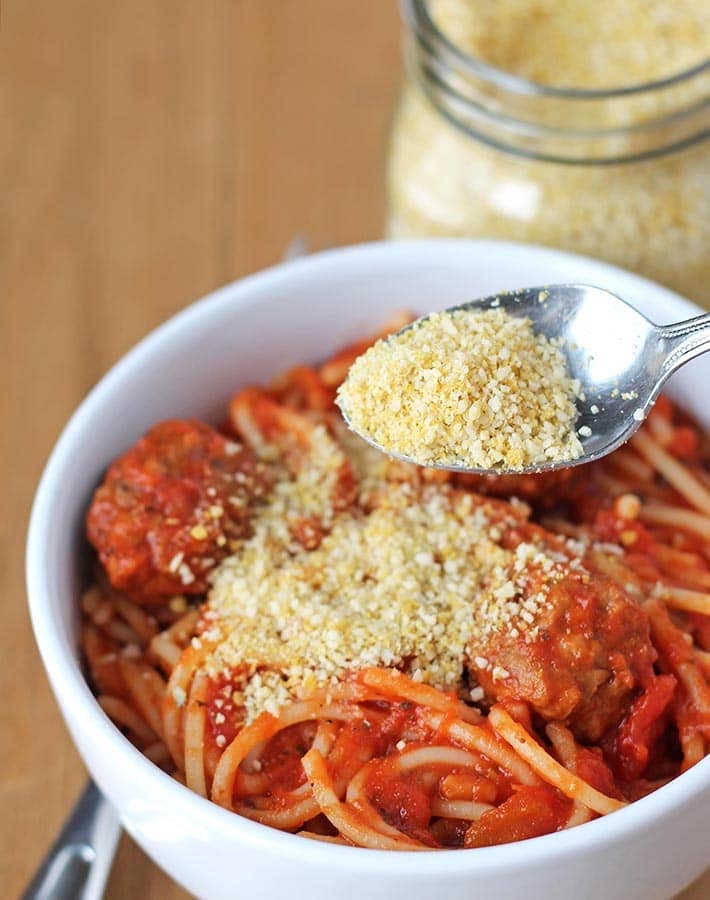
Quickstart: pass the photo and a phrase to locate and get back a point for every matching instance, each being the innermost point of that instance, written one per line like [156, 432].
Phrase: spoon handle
[684, 341]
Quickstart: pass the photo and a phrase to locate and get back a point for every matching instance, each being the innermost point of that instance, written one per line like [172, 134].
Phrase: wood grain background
[150, 152]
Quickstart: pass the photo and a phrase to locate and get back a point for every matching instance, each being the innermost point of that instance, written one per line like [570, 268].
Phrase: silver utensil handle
[684, 341]
[78, 863]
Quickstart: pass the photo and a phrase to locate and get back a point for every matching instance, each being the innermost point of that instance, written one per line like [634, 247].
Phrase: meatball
[584, 657]
[171, 506]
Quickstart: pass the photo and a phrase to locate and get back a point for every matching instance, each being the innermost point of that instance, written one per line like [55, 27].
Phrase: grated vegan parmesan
[417, 583]
[468, 388]
[578, 44]
[474, 170]
[419, 576]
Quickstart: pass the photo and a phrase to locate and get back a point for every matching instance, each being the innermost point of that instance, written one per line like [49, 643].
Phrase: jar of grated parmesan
[581, 125]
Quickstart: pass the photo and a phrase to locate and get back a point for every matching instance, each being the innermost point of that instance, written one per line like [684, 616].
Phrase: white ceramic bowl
[247, 332]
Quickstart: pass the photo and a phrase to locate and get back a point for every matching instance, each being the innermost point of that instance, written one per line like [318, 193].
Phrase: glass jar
[621, 174]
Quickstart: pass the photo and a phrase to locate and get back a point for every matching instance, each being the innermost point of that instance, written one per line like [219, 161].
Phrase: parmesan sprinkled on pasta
[416, 584]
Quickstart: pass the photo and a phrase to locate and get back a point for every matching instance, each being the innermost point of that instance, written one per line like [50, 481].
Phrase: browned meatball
[170, 506]
[578, 649]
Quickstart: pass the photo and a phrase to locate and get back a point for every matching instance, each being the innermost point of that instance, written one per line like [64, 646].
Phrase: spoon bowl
[619, 357]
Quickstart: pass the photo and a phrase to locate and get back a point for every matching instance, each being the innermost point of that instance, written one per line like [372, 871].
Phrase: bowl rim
[71, 689]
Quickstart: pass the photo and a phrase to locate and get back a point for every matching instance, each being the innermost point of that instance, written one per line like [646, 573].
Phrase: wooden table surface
[150, 152]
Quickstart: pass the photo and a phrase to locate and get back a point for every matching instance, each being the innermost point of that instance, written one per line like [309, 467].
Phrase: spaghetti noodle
[370, 653]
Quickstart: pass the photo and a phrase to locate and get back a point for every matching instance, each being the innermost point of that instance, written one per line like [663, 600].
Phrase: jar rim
[549, 123]
[416, 14]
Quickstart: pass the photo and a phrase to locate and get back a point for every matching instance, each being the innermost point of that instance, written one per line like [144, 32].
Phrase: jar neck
[577, 127]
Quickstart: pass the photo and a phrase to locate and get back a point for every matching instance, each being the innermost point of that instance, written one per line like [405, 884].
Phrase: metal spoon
[620, 358]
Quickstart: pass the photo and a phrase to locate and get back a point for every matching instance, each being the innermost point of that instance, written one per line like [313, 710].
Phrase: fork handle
[78, 863]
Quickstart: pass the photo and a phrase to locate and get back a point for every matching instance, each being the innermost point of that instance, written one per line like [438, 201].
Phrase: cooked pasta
[365, 652]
